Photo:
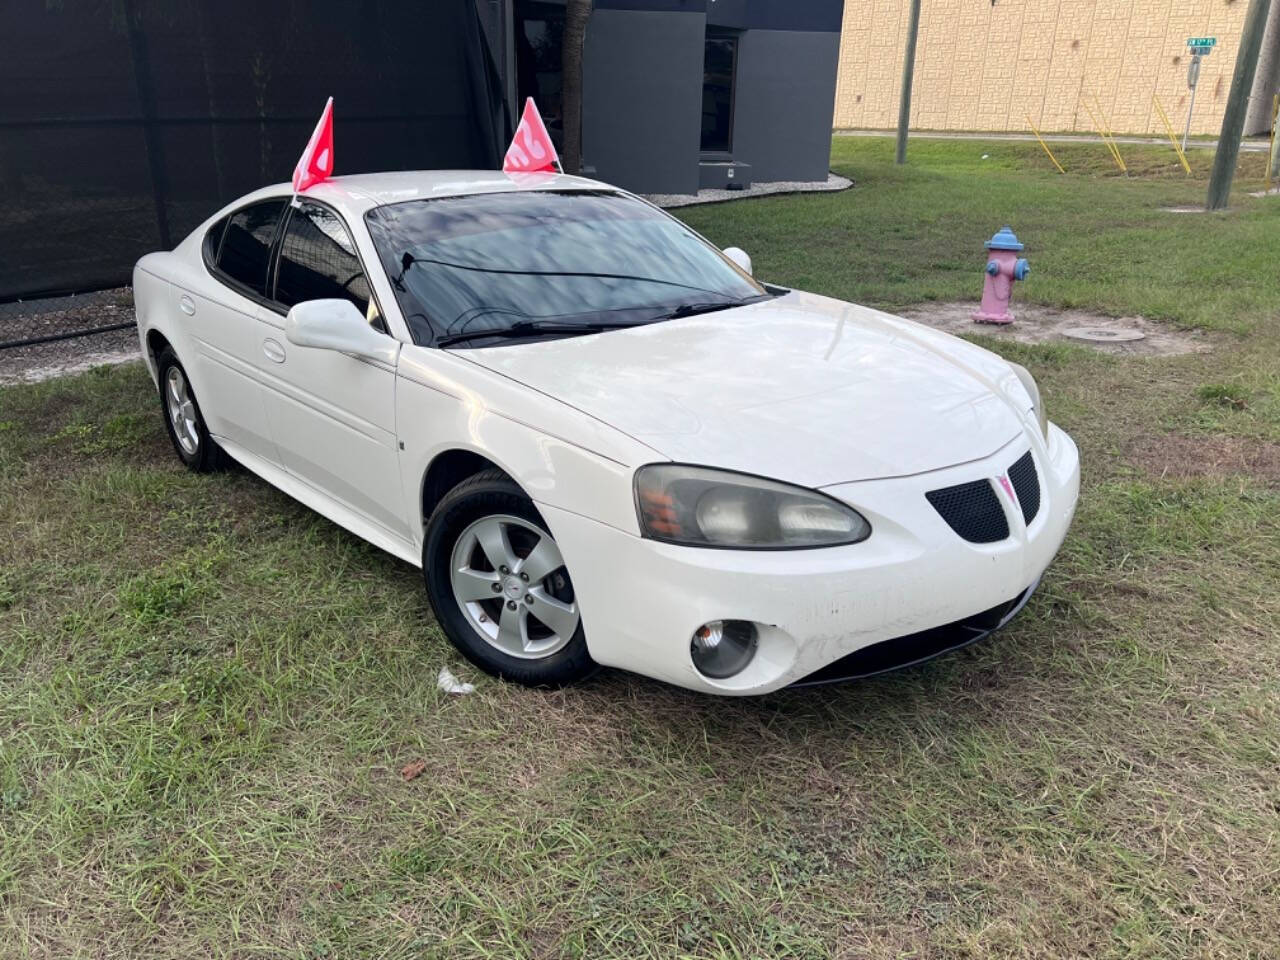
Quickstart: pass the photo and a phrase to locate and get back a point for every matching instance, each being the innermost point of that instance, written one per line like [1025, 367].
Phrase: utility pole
[908, 71]
[1224, 160]
[1273, 167]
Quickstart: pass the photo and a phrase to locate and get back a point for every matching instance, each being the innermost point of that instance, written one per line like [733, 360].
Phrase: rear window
[246, 245]
[213, 241]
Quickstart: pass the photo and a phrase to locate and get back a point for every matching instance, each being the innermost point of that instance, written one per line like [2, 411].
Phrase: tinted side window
[319, 262]
[213, 240]
[246, 247]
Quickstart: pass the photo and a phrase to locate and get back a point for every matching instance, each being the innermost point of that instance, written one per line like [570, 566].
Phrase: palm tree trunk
[576, 14]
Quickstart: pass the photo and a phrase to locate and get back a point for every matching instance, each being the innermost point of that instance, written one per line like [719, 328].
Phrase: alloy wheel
[182, 411]
[509, 580]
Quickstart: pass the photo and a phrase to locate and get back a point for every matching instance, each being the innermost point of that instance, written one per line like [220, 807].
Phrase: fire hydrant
[1003, 268]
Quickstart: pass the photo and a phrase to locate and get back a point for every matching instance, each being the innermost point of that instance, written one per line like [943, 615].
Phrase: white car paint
[803, 388]
[874, 409]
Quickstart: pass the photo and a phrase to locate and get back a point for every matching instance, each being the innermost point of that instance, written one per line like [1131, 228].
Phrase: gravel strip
[38, 318]
[833, 182]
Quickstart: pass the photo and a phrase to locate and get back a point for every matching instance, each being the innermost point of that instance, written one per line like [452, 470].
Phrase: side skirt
[324, 505]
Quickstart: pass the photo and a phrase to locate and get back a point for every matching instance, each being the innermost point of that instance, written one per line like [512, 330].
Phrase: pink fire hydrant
[1004, 266]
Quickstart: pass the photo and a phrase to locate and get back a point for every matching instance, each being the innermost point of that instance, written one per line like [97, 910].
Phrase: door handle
[187, 305]
[273, 351]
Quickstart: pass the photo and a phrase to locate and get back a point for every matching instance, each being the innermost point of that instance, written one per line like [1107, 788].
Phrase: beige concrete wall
[985, 66]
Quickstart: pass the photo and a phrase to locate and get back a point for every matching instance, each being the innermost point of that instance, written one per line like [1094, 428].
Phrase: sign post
[1199, 47]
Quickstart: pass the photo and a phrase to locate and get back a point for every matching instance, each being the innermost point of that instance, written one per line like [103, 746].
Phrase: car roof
[356, 194]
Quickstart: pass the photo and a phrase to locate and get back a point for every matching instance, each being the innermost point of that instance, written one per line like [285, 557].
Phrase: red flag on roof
[316, 162]
[531, 150]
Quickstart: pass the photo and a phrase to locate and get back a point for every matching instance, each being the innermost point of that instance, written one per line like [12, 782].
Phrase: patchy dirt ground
[1036, 324]
[40, 362]
[1170, 455]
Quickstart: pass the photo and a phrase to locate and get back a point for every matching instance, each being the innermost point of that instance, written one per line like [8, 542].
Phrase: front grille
[972, 510]
[1026, 485]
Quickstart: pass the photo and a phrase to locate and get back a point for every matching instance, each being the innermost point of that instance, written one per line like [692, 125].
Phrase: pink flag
[316, 162]
[531, 150]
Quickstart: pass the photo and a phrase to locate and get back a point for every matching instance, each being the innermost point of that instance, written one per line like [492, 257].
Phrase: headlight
[1029, 384]
[701, 507]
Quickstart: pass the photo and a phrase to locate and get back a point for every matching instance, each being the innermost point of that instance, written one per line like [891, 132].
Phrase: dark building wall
[642, 110]
[123, 124]
[642, 98]
[812, 15]
[783, 102]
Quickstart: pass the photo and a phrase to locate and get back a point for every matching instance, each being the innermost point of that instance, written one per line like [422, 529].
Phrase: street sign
[1199, 47]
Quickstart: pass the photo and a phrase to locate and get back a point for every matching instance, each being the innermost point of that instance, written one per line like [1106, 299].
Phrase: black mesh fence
[124, 123]
[53, 335]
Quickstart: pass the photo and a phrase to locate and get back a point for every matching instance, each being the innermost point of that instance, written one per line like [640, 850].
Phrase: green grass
[207, 692]
[1094, 238]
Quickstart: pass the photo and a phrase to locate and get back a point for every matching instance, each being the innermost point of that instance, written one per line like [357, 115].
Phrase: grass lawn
[207, 693]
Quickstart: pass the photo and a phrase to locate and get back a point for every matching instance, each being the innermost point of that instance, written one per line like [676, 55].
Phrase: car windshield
[480, 270]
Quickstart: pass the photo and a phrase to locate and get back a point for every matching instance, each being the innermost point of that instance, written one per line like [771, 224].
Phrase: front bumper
[641, 600]
[913, 648]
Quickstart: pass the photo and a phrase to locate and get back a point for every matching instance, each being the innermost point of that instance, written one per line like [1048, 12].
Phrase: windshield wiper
[704, 306]
[536, 328]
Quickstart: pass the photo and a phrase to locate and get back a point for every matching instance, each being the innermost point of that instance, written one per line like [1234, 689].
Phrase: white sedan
[601, 439]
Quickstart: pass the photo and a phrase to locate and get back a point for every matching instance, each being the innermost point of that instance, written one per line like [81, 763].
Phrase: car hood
[800, 388]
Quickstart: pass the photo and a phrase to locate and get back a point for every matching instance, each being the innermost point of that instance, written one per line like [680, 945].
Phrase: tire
[482, 526]
[183, 420]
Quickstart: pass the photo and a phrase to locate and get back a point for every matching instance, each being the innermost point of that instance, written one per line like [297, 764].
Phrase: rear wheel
[182, 418]
[500, 587]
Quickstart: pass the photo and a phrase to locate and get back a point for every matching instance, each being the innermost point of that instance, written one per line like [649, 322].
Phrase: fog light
[722, 648]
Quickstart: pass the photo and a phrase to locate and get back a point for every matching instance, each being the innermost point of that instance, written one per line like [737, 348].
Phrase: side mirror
[739, 256]
[338, 325]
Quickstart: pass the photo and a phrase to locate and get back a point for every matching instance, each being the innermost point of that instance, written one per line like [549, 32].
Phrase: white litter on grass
[448, 683]
[986, 156]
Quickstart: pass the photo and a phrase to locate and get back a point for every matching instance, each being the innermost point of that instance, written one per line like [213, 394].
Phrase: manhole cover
[1103, 334]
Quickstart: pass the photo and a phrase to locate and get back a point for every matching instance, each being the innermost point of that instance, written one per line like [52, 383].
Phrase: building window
[720, 59]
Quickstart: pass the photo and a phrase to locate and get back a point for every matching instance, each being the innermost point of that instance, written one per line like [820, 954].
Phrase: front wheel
[500, 587]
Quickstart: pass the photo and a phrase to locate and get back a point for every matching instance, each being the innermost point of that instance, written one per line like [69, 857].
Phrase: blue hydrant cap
[1003, 240]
